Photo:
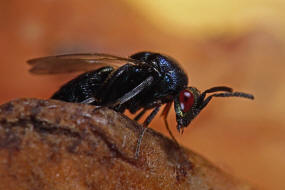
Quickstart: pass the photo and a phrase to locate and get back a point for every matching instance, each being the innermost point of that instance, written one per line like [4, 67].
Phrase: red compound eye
[186, 99]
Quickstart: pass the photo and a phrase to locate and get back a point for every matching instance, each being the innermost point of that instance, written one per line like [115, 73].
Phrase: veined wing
[76, 62]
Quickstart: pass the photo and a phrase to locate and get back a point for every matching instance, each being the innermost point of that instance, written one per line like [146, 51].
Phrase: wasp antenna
[234, 94]
[244, 95]
[217, 89]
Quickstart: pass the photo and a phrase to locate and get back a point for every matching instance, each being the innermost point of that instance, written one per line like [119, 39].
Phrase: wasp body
[144, 81]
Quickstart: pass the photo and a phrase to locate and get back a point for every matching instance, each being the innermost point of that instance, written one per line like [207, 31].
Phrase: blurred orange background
[235, 43]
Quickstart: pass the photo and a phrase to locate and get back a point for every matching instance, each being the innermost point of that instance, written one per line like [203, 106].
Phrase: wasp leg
[145, 124]
[111, 81]
[111, 94]
[88, 100]
[140, 115]
[151, 116]
[129, 95]
[164, 114]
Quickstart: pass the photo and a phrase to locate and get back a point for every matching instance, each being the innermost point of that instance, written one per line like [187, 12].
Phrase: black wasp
[144, 81]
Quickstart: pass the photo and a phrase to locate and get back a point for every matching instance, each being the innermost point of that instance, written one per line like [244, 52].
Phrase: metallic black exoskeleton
[144, 81]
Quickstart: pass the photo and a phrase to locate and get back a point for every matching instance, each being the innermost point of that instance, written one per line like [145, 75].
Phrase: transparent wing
[76, 62]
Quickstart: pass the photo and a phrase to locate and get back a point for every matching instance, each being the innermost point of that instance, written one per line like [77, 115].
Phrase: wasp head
[189, 102]
[186, 105]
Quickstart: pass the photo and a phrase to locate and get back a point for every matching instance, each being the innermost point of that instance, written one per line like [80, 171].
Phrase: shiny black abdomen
[84, 86]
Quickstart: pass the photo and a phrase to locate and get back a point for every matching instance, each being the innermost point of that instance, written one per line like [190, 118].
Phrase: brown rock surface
[47, 144]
